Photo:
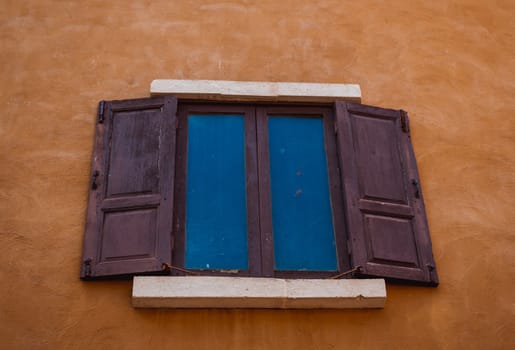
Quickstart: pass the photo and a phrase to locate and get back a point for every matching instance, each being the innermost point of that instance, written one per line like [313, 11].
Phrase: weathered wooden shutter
[389, 235]
[130, 208]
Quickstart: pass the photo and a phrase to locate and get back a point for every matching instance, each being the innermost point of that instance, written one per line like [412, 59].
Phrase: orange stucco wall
[451, 64]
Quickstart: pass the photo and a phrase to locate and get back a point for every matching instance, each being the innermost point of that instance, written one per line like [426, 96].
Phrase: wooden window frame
[377, 203]
[259, 211]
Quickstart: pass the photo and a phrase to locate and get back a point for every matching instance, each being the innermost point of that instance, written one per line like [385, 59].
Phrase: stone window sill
[266, 293]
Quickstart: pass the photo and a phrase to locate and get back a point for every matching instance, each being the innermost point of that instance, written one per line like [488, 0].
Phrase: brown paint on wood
[265, 195]
[373, 163]
[130, 208]
[179, 233]
[389, 236]
[326, 113]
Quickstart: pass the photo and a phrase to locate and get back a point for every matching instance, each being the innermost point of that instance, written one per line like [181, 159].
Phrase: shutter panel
[389, 235]
[129, 220]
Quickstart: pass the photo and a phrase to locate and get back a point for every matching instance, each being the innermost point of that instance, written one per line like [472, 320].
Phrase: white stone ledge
[269, 293]
[255, 91]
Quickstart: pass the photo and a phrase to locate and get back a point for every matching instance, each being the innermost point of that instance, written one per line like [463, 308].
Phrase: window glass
[301, 211]
[216, 214]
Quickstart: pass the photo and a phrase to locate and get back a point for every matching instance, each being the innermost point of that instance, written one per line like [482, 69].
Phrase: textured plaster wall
[449, 63]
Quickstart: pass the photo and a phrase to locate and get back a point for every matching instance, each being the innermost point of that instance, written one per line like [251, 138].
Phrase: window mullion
[251, 165]
[265, 200]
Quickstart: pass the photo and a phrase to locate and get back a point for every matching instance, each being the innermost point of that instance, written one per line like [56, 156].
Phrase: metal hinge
[176, 122]
[349, 247]
[404, 121]
[94, 177]
[87, 267]
[431, 271]
[100, 114]
[416, 184]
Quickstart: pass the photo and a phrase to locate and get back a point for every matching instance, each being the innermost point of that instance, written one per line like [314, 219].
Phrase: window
[244, 172]
[255, 190]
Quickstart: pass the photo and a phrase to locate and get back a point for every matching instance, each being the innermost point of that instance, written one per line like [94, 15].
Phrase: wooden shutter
[389, 235]
[129, 220]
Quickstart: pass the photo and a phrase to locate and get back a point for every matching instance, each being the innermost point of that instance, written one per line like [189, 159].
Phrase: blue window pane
[216, 210]
[301, 209]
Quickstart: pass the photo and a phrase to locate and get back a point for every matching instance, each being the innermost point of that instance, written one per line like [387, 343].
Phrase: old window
[253, 194]
[255, 190]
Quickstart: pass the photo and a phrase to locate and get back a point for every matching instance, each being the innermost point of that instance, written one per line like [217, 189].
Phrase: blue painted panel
[301, 210]
[216, 208]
